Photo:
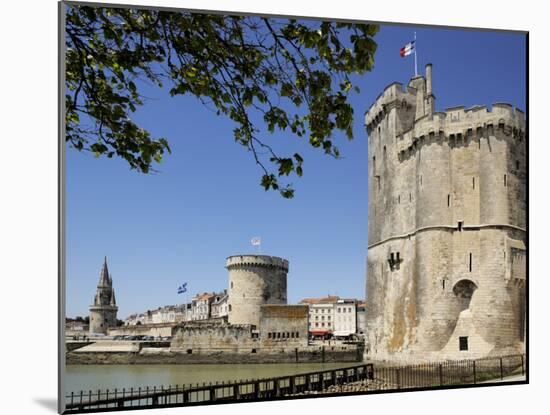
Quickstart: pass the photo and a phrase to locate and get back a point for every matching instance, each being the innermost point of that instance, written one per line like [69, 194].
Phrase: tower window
[463, 343]
[384, 151]
[399, 199]
[448, 200]
[470, 266]
[517, 164]
[460, 224]
[443, 284]
[505, 182]
[473, 182]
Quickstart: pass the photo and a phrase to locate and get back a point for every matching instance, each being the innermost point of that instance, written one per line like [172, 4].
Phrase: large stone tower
[254, 280]
[104, 309]
[446, 263]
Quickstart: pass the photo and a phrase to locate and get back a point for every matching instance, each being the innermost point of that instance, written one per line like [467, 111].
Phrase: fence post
[474, 368]
[256, 389]
[440, 374]
[292, 384]
[398, 375]
[212, 392]
[501, 370]
[155, 398]
[370, 372]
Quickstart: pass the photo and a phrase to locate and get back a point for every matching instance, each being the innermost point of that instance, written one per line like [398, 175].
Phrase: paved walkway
[514, 378]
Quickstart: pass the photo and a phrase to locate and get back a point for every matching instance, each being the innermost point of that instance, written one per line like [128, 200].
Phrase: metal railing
[449, 373]
[243, 390]
[368, 377]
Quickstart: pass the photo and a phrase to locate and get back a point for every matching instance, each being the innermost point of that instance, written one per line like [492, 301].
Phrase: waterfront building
[200, 306]
[361, 318]
[220, 305]
[321, 315]
[345, 317]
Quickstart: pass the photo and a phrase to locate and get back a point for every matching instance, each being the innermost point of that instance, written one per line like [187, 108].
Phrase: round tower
[254, 280]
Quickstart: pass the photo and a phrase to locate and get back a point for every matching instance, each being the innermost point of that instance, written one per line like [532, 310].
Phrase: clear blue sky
[205, 204]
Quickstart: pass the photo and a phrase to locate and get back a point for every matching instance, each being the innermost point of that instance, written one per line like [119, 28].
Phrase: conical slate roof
[104, 279]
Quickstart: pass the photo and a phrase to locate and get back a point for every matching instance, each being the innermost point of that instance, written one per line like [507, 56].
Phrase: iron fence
[366, 376]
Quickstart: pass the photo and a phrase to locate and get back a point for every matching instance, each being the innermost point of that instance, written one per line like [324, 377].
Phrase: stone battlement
[249, 260]
[393, 94]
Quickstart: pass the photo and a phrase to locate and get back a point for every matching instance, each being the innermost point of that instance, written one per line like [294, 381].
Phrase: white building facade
[345, 317]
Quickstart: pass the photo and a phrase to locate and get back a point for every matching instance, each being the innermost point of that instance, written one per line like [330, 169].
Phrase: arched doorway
[464, 290]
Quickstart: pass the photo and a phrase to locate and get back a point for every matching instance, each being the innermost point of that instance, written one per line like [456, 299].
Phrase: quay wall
[311, 354]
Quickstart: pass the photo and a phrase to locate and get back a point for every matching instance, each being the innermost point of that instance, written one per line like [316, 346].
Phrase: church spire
[104, 309]
[104, 279]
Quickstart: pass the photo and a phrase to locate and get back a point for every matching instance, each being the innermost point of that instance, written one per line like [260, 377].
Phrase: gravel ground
[360, 386]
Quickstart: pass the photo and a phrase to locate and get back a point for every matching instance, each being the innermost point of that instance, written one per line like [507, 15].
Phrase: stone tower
[254, 280]
[446, 265]
[104, 309]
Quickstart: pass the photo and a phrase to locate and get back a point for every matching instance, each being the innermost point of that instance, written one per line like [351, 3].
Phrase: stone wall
[284, 324]
[155, 330]
[281, 355]
[190, 338]
[281, 326]
[446, 226]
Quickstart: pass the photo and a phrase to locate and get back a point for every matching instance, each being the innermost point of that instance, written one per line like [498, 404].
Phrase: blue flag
[182, 288]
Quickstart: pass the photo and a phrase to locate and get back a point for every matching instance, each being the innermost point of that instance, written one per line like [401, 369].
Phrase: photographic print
[264, 207]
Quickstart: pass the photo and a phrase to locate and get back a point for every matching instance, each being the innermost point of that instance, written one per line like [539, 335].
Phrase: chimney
[430, 99]
[429, 79]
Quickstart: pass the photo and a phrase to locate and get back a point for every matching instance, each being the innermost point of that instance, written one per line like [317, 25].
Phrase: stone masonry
[446, 263]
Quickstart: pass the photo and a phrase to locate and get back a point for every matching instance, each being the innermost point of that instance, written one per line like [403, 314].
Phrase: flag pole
[415, 63]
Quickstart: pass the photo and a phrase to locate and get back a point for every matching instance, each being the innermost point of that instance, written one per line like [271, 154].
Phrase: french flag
[407, 49]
